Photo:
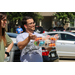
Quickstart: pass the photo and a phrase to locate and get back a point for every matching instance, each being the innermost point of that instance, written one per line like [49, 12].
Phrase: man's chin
[33, 29]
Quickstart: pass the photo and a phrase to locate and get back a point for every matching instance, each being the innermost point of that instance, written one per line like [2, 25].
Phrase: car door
[66, 45]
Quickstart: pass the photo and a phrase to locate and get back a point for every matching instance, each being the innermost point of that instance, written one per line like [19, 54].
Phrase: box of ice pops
[46, 41]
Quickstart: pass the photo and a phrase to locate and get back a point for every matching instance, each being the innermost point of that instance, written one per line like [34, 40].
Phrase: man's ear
[25, 26]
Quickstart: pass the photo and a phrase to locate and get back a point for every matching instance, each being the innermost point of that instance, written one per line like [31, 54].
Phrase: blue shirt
[19, 30]
[30, 53]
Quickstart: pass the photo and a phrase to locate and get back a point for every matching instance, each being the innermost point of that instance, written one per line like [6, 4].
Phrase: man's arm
[22, 44]
[48, 48]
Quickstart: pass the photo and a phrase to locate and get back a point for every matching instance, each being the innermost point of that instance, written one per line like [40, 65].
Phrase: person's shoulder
[23, 34]
[38, 34]
[5, 33]
[20, 28]
[19, 35]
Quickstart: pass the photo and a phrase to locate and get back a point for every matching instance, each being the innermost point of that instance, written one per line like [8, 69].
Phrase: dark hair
[2, 30]
[2, 15]
[24, 20]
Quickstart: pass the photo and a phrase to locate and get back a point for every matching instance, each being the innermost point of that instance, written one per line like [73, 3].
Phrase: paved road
[66, 60]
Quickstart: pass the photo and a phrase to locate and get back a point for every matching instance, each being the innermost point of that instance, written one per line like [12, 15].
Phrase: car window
[72, 28]
[40, 29]
[12, 35]
[67, 37]
[52, 34]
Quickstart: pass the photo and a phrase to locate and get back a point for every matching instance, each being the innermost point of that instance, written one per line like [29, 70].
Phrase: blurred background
[47, 20]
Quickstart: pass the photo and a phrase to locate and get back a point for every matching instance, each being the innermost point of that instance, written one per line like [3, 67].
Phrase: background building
[48, 20]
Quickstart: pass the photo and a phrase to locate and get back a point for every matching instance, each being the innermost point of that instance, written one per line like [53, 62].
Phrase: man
[5, 41]
[19, 30]
[30, 52]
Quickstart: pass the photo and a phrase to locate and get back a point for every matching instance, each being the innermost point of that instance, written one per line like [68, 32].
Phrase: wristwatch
[7, 54]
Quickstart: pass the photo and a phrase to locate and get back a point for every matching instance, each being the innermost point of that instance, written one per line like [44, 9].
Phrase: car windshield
[13, 35]
[39, 29]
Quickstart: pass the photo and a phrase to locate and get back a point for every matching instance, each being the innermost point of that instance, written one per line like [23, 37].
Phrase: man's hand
[48, 48]
[31, 36]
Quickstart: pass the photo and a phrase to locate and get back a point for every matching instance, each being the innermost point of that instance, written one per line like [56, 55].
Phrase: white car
[65, 45]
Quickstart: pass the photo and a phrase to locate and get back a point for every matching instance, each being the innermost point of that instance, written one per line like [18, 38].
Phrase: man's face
[30, 25]
[3, 22]
[19, 27]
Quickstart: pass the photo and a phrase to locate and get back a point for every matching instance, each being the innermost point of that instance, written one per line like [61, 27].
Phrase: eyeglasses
[31, 23]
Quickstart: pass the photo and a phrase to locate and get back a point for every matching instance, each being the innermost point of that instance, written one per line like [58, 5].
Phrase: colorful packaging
[46, 41]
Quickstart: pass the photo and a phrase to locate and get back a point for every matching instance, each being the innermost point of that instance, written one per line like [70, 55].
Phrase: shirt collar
[27, 32]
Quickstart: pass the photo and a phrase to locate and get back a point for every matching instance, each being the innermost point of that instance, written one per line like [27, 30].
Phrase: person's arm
[22, 44]
[48, 48]
[9, 48]
[9, 44]
[21, 30]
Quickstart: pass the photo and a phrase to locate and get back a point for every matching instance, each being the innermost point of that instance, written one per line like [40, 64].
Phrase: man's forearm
[22, 44]
[49, 48]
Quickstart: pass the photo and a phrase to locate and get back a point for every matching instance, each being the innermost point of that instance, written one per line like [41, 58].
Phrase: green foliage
[65, 15]
[12, 16]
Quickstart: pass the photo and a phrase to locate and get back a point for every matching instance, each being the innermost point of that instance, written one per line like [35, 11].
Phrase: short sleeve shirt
[2, 47]
[30, 53]
[19, 30]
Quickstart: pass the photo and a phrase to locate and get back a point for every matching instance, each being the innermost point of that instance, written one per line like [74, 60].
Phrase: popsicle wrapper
[46, 41]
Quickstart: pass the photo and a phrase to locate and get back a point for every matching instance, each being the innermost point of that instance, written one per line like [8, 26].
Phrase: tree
[65, 16]
[12, 16]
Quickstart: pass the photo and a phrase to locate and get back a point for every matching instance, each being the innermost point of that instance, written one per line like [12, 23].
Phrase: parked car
[49, 56]
[71, 29]
[65, 45]
[58, 29]
[39, 29]
[15, 52]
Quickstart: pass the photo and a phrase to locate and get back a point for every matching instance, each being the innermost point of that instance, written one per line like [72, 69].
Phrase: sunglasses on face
[31, 23]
